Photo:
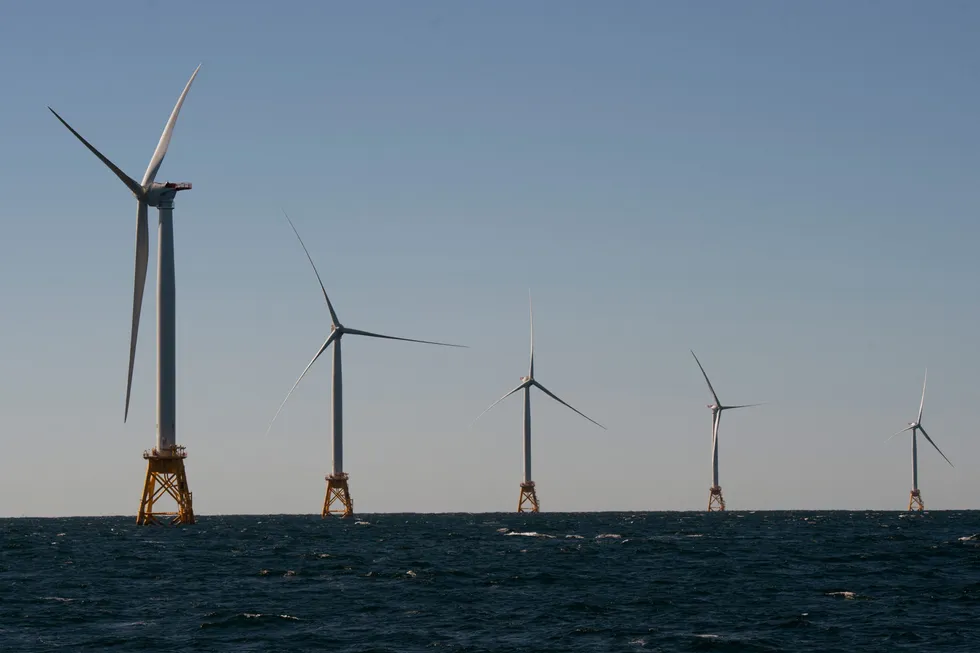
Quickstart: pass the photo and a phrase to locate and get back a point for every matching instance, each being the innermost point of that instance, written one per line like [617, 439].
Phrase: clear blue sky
[788, 188]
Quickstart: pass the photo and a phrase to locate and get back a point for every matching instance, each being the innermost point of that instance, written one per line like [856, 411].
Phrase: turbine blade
[520, 387]
[139, 284]
[555, 397]
[161, 151]
[934, 445]
[923, 400]
[358, 332]
[705, 374]
[326, 344]
[126, 179]
[530, 309]
[333, 313]
[907, 428]
[741, 406]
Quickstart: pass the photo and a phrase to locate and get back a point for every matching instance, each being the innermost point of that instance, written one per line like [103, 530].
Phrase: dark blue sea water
[766, 581]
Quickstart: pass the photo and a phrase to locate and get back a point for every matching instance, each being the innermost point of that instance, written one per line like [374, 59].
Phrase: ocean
[736, 581]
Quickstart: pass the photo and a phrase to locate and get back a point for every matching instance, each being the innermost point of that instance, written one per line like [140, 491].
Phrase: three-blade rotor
[529, 380]
[144, 197]
[717, 405]
[337, 330]
[917, 424]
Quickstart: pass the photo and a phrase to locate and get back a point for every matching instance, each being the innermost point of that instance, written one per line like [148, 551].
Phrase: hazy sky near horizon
[790, 189]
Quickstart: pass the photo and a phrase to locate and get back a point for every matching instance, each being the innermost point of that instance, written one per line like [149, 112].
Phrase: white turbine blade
[908, 428]
[333, 313]
[555, 397]
[358, 332]
[126, 179]
[705, 374]
[934, 445]
[326, 344]
[530, 310]
[161, 151]
[520, 387]
[741, 406]
[923, 400]
[139, 283]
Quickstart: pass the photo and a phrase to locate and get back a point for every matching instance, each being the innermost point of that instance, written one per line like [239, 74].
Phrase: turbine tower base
[338, 493]
[716, 502]
[529, 498]
[915, 501]
[165, 476]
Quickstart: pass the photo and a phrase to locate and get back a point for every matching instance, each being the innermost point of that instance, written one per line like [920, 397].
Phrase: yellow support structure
[338, 493]
[529, 498]
[915, 501]
[716, 502]
[165, 476]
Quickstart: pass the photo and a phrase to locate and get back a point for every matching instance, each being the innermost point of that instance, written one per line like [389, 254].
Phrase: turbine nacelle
[158, 194]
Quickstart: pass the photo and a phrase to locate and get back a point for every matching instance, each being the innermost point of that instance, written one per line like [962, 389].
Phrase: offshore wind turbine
[337, 482]
[165, 462]
[715, 499]
[915, 497]
[529, 495]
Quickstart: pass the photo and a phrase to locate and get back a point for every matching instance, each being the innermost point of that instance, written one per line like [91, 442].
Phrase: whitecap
[970, 538]
[532, 534]
[60, 599]
[502, 530]
[604, 536]
[411, 574]
[574, 537]
[845, 594]
[362, 523]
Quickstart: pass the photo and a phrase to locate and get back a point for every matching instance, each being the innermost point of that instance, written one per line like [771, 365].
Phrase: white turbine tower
[915, 497]
[529, 495]
[165, 462]
[337, 486]
[715, 499]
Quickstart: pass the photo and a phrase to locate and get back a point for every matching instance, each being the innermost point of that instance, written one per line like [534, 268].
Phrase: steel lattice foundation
[716, 502]
[529, 498]
[165, 475]
[338, 500]
[915, 501]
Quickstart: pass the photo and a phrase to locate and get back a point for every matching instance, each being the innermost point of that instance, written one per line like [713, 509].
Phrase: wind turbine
[529, 495]
[715, 499]
[915, 497]
[337, 487]
[165, 462]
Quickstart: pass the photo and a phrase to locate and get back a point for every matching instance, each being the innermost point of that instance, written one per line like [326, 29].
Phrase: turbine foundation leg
[165, 476]
[915, 501]
[338, 500]
[529, 498]
[716, 502]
